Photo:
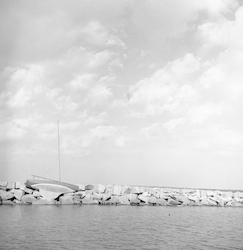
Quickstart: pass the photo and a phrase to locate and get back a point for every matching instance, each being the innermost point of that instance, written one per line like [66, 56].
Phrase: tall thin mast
[59, 159]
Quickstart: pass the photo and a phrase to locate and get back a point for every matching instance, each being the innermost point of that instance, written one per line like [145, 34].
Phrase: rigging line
[59, 158]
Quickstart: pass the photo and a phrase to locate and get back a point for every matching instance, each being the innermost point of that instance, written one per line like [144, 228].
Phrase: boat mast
[59, 159]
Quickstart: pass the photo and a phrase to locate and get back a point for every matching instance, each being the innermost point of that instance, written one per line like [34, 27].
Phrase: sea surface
[120, 227]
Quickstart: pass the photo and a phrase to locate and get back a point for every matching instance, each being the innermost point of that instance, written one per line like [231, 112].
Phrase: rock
[203, 194]
[97, 196]
[6, 195]
[28, 199]
[89, 187]
[18, 193]
[123, 189]
[91, 202]
[211, 202]
[143, 198]
[89, 192]
[210, 193]
[42, 201]
[162, 202]
[135, 190]
[3, 184]
[117, 190]
[36, 194]
[19, 185]
[183, 199]
[28, 190]
[109, 189]
[114, 200]
[124, 199]
[152, 200]
[80, 194]
[128, 190]
[193, 198]
[101, 188]
[81, 187]
[173, 202]
[132, 196]
[166, 190]
[87, 197]
[106, 196]
[11, 185]
[8, 202]
[66, 200]
[135, 201]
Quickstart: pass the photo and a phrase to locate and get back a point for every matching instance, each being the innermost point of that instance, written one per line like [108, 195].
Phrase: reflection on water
[120, 227]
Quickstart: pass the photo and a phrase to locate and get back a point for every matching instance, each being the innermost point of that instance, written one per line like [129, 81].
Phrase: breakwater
[21, 193]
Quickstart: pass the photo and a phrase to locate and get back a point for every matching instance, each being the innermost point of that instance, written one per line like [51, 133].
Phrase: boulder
[97, 196]
[87, 197]
[183, 199]
[19, 185]
[66, 200]
[28, 199]
[101, 188]
[152, 200]
[162, 202]
[132, 196]
[210, 193]
[91, 202]
[18, 193]
[79, 194]
[117, 190]
[3, 184]
[135, 190]
[36, 194]
[114, 200]
[143, 198]
[173, 202]
[81, 187]
[127, 190]
[135, 201]
[6, 195]
[109, 189]
[124, 199]
[106, 196]
[42, 201]
[28, 190]
[89, 187]
[11, 185]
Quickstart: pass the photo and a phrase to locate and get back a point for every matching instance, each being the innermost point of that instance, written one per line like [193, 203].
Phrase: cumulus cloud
[97, 34]
[98, 119]
[167, 89]
[23, 85]
[98, 94]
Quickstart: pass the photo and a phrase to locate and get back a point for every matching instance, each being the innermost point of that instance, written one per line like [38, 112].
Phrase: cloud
[153, 131]
[99, 119]
[23, 85]
[97, 34]
[82, 81]
[172, 124]
[98, 94]
[222, 32]
[201, 113]
[167, 89]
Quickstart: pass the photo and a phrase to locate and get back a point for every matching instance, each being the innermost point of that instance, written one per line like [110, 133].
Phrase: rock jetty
[92, 194]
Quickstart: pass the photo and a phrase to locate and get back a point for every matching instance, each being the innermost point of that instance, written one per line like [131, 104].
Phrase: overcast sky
[146, 92]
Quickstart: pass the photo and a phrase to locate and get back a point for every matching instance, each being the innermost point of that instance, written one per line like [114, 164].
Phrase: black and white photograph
[121, 124]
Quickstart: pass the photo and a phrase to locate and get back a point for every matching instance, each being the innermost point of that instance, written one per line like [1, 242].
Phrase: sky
[146, 93]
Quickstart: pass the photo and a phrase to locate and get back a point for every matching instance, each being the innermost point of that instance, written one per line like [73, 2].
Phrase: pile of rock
[19, 193]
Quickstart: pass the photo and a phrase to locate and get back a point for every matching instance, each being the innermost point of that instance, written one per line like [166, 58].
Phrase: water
[120, 227]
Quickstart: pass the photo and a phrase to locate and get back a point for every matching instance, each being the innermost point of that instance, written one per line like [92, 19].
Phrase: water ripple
[120, 227]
